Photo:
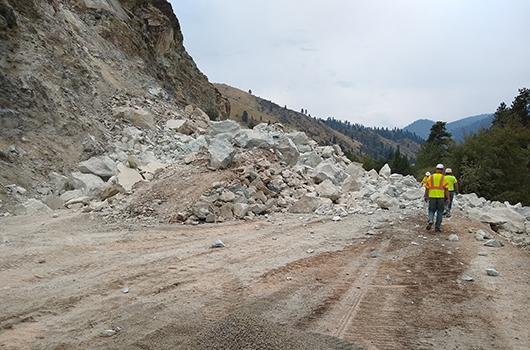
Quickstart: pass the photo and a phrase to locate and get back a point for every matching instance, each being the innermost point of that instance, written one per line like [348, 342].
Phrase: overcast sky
[379, 63]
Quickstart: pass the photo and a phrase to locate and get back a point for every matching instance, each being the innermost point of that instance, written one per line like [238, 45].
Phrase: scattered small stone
[494, 243]
[481, 234]
[289, 278]
[408, 271]
[274, 238]
[373, 254]
[107, 333]
[466, 278]
[55, 215]
[42, 261]
[482, 253]
[388, 277]
[218, 244]
[125, 290]
[414, 243]
[336, 218]
[492, 272]
[310, 251]
[450, 252]
[117, 329]
[453, 238]
[371, 233]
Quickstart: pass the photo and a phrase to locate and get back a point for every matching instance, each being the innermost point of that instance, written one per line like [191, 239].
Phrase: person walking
[453, 186]
[437, 194]
[425, 179]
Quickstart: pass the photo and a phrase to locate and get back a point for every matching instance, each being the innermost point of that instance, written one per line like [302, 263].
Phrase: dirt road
[298, 279]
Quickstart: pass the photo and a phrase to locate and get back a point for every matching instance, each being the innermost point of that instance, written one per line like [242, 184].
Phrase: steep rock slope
[65, 66]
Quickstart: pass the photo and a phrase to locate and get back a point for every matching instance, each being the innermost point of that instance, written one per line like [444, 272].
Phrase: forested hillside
[376, 141]
[459, 129]
[495, 162]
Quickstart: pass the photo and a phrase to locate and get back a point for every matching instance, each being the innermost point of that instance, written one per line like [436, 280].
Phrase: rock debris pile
[240, 174]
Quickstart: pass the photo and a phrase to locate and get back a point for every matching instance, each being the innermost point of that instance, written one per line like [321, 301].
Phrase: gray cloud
[378, 63]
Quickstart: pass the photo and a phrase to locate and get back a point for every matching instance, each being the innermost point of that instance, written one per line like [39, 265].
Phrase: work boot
[429, 225]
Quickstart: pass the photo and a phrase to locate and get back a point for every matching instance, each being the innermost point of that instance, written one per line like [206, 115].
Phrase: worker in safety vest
[437, 194]
[425, 179]
[453, 187]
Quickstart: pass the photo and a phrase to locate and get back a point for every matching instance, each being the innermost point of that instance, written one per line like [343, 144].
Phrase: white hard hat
[440, 166]
[427, 174]
[448, 171]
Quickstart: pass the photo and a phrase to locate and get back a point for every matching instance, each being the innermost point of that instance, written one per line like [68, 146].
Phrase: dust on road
[284, 282]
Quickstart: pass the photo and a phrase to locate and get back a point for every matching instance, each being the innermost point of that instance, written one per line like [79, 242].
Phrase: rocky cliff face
[67, 66]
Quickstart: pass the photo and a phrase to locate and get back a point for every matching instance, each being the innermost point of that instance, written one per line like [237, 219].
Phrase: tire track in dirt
[388, 314]
[355, 293]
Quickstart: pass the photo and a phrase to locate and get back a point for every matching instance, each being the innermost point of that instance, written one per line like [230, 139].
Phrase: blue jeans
[451, 196]
[436, 205]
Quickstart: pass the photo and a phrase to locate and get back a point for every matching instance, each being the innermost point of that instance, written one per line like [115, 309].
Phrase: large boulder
[305, 205]
[503, 220]
[384, 201]
[413, 194]
[102, 166]
[302, 142]
[327, 152]
[240, 210]
[90, 184]
[221, 153]
[327, 170]
[202, 210]
[53, 202]
[59, 182]
[311, 159]
[250, 138]
[470, 200]
[34, 206]
[226, 129]
[287, 151]
[139, 117]
[127, 177]
[326, 189]
[355, 169]
[351, 184]
[385, 171]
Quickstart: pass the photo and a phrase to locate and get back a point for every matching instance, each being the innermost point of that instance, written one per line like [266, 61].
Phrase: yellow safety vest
[437, 184]
[451, 180]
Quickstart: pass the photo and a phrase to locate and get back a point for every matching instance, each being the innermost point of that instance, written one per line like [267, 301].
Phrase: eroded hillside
[66, 69]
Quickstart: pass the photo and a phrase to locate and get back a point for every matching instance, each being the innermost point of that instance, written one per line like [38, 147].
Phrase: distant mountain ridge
[458, 129]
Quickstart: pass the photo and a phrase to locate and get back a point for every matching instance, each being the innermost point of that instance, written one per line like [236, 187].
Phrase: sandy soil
[284, 282]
